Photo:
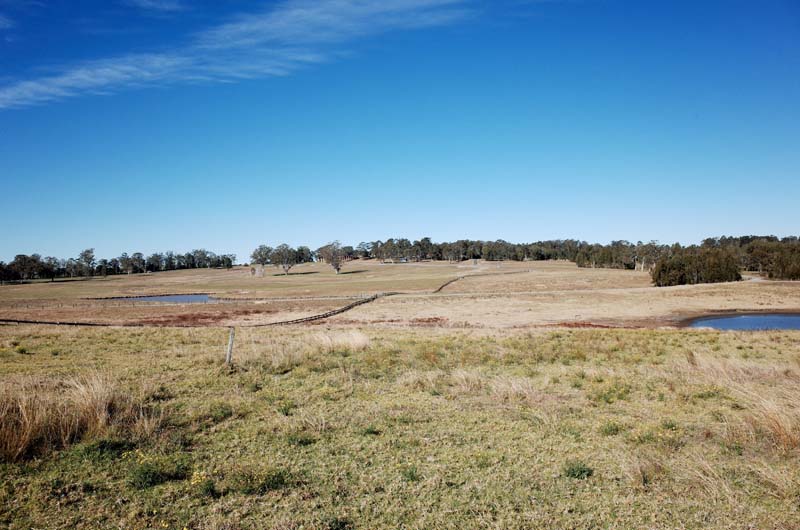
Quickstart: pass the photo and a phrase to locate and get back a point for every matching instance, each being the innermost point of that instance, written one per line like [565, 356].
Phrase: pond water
[749, 322]
[173, 298]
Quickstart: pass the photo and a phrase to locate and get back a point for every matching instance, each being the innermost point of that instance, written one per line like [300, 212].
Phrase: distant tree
[693, 265]
[73, 268]
[284, 256]
[26, 267]
[304, 255]
[363, 249]
[333, 255]
[261, 255]
[154, 262]
[227, 260]
[170, 262]
[137, 258]
[86, 258]
[8, 273]
[51, 267]
[102, 267]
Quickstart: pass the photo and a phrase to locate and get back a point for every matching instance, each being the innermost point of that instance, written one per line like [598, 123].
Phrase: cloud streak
[5, 22]
[157, 5]
[277, 42]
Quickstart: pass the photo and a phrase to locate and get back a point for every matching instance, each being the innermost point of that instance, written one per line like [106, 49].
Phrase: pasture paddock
[474, 407]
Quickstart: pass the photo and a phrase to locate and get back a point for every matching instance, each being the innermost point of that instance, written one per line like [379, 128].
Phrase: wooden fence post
[229, 355]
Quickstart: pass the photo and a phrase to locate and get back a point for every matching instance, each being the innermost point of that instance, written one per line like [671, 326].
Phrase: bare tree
[284, 256]
[333, 255]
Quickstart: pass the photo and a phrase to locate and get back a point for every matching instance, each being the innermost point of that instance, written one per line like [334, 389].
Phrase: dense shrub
[696, 265]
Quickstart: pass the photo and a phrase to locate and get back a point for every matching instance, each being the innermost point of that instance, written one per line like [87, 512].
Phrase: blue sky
[151, 125]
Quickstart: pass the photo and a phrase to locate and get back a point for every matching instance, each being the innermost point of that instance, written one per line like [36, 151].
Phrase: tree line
[714, 260]
[31, 267]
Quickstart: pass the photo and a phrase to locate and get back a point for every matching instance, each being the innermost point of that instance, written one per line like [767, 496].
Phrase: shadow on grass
[352, 272]
[296, 273]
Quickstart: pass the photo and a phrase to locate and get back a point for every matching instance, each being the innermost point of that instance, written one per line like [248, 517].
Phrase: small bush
[204, 484]
[259, 482]
[21, 349]
[610, 428]
[151, 471]
[286, 407]
[669, 425]
[338, 523]
[370, 431]
[577, 469]
[106, 448]
[612, 392]
[300, 439]
[208, 488]
[411, 474]
[215, 413]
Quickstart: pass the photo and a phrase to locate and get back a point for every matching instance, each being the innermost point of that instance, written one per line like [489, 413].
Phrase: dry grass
[468, 427]
[509, 388]
[767, 395]
[553, 293]
[337, 341]
[283, 352]
[38, 415]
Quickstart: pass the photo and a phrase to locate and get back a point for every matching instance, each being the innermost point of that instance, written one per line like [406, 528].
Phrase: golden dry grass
[470, 427]
[451, 410]
[487, 296]
[40, 414]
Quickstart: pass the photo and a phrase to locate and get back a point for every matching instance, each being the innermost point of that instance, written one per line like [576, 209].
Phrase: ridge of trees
[29, 267]
[715, 259]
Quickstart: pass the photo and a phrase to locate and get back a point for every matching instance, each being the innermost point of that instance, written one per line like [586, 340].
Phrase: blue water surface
[749, 322]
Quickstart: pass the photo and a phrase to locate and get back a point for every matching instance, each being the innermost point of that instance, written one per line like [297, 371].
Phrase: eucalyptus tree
[86, 258]
[284, 256]
[333, 255]
[261, 255]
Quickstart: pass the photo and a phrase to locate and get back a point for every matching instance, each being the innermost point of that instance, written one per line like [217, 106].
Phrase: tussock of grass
[342, 341]
[151, 470]
[38, 415]
[643, 470]
[259, 481]
[577, 469]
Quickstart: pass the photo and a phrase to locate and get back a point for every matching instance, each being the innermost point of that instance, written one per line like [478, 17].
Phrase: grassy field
[395, 415]
[486, 295]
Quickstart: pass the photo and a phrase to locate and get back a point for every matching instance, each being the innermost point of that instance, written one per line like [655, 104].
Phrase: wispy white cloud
[276, 42]
[5, 22]
[157, 5]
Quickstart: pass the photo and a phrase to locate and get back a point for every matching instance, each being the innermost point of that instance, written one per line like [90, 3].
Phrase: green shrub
[411, 474]
[106, 448]
[300, 439]
[338, 523]
[612, 392]
[150, 471]
[207, 488]
[286, 407]
[259, 482]
[669, 425]
[577, 469]
[370, 430]
[610, 428]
